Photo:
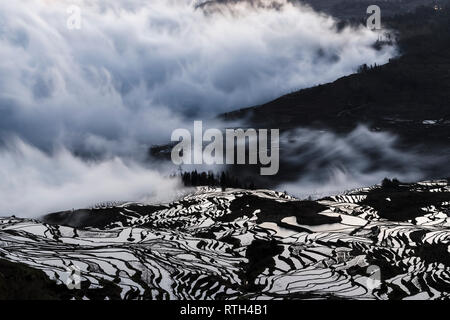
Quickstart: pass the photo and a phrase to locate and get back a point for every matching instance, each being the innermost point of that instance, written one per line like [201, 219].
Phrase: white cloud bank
[138, 67]
[136, 70]
[34, 183]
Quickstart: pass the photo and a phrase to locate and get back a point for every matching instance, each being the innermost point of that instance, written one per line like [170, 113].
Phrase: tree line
[211, 179]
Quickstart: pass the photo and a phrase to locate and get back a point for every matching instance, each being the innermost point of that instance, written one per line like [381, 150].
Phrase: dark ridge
[401, 204]
[356, 9]
[342, 9]
[21, 282]
[274, 211]
[96, 218]
[437, 252]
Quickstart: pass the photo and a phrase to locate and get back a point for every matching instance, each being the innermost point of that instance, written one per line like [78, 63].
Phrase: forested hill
[355, 9]
[409, 96]
[341, 9]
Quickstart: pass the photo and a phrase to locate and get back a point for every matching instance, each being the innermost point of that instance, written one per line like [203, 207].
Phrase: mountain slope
[343, 9]
[408, 96]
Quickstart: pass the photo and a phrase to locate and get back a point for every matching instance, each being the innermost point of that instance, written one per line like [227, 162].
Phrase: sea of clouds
[79, 108]
[328, 163]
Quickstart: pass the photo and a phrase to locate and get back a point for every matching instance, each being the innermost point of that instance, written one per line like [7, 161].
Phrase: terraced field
[389, 242]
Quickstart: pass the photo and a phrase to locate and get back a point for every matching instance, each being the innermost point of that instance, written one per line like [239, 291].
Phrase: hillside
[409, 96]
[356, 9]
[342, 9]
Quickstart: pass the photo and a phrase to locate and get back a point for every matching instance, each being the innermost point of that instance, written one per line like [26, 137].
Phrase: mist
[320, 163]
[34, 183]
[80, 108]
[138, 69]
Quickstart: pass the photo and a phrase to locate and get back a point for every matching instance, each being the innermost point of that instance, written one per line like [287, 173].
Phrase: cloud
[33, 183]
[137, 69]
[327, 163]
